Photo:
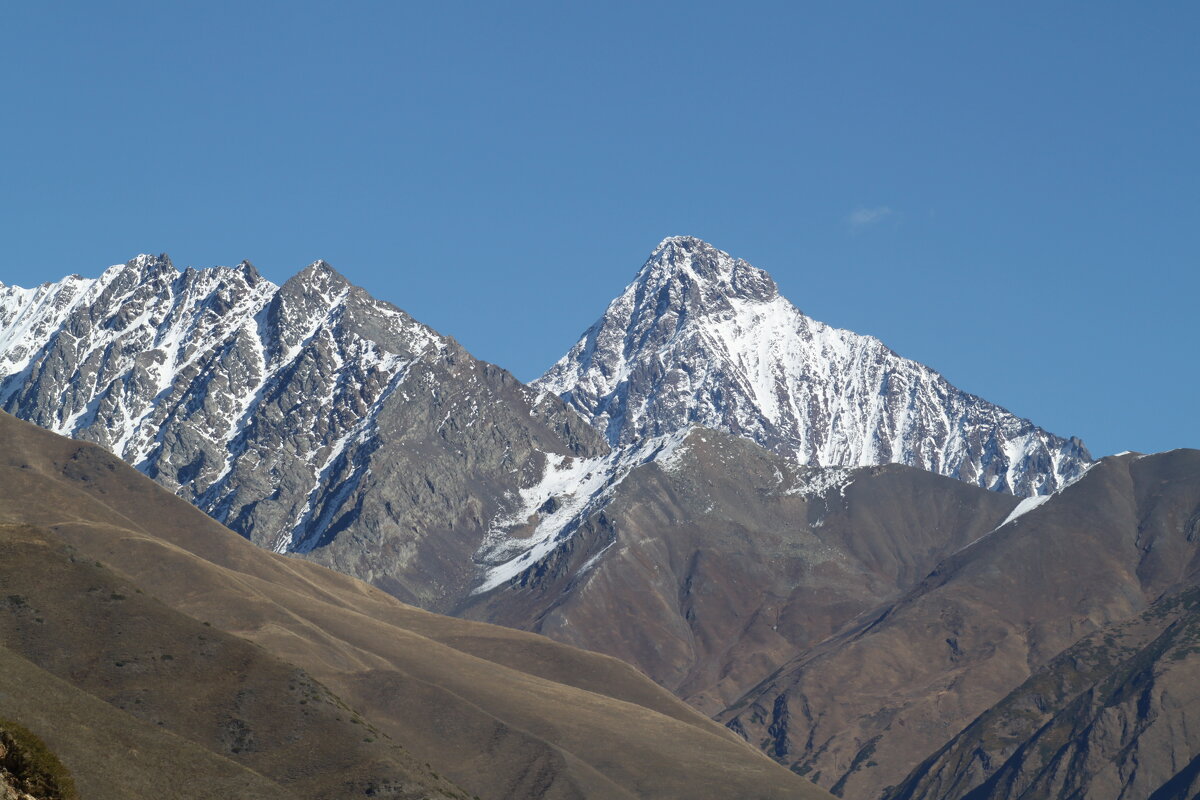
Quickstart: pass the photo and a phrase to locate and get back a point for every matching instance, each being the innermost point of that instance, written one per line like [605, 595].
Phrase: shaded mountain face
[292, 414]
[898, 687]
[700, 337]
[1107, 718]
[715, 562]
[144, 620]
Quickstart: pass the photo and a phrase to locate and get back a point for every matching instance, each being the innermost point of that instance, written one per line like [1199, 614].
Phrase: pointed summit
[309, 293]
[674, 247]
[693, 262]
[684, 250]
[703, 338]
[318, 275]
[249, 271]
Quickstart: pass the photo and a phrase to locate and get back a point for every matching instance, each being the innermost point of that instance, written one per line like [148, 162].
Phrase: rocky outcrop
[28, 769]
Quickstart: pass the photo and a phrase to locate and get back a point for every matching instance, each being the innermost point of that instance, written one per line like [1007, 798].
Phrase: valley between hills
[287, 541]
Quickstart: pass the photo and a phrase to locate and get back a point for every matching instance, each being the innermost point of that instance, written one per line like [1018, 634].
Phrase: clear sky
[1007, 192]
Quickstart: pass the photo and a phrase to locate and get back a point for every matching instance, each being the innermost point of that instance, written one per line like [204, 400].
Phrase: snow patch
[549, 510]
[1026, 505]
[818, 482]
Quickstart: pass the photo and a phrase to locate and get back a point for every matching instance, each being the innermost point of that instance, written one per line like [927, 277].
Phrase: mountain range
[307, 417]
[312, 418]
[891, 587]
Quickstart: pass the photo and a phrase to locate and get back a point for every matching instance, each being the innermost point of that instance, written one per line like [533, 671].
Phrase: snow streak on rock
[546, 512]
[249, 399]
[701, 338]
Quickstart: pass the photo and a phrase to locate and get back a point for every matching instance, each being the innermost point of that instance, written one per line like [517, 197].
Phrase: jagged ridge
[702, 338]
[175, 372]
[291, 413]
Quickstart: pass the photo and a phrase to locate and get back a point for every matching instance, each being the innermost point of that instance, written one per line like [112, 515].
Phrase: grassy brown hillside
[89, 625]
[291, 674]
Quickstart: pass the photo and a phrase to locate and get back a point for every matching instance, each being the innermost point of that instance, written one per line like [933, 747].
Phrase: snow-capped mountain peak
[702, 338]
[319, 272]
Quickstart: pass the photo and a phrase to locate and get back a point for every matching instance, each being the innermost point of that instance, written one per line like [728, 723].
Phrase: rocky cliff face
[700, 337]
[291, 413]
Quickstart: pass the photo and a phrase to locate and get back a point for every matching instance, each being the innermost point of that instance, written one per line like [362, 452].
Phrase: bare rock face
[702, 338]
[292, 414]
[857, 712]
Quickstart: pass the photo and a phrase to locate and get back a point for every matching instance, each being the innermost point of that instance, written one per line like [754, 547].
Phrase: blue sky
[1006, 192]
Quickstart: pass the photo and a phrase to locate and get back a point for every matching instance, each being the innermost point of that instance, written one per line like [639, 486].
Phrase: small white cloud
[861, 218]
